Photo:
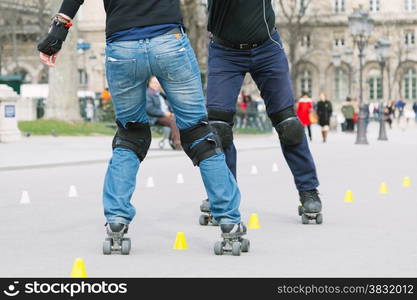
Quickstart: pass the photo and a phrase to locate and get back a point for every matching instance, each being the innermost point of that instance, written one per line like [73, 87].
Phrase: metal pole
[361, 138]
[382, 129]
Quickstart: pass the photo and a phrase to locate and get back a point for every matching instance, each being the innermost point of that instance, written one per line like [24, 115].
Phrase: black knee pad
[136, 137]
[209, 147]
[288, 126]
[222, 123]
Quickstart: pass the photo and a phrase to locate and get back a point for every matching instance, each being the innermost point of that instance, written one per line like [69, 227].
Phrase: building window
[303, 4]
[339, 42]
[375, 86]
[83, 77]
[306, 41]
[410, 85]
[306, 82]
[374, 5]
[410, 38]
[410, 5]
[341, 84]
[339, 6]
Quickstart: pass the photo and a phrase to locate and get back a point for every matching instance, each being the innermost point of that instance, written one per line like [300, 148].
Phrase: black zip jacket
[241, 21]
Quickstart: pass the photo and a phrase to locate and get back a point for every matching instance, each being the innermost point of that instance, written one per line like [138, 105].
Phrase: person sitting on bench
[159, 112]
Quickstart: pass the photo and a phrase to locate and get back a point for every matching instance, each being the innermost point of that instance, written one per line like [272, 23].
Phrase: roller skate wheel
[319, 219]
[245, 245]
[107, 246]
[125, 246]
[236, 248]
[203, 220]
[300, 210]
[218, 248]
[305, 219]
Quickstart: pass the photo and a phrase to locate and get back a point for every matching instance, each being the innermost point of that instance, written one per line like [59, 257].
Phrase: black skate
[311, 207]
[206, 218]
[233, 240]
[115, 242]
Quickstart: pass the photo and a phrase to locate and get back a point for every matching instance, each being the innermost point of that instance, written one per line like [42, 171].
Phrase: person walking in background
[304, 108]
[415, 110]
[389, 112]
[348, 112]
[324, 112]
[159, 112]
[400, 106]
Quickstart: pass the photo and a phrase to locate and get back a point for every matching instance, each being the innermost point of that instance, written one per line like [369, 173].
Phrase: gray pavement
[374, 236]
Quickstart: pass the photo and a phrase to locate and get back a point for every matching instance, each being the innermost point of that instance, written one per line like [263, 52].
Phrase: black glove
[56, 36]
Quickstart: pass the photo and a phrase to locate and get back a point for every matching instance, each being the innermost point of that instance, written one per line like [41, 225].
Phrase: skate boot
[115, 242]
[206, 218]
[310, 208]
[233, 240]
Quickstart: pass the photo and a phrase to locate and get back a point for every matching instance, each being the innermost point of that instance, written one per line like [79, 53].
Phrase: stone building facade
[325, 38]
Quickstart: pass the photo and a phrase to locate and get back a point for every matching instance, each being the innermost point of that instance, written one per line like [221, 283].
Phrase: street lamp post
[382, 50]
[361, 26]
[337, 62]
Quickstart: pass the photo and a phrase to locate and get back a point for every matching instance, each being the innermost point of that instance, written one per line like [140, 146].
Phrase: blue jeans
[129, 65]
[268, 66]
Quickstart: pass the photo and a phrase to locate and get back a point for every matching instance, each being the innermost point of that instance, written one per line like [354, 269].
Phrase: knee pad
[288, 126]
[222, 124]
[136, 137]
[208, 147]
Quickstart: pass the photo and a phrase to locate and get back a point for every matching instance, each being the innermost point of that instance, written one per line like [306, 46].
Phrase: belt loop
[182, 30]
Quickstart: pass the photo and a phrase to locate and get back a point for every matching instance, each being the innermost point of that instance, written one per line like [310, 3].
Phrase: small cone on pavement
[406, 182]
[72, 193]
[254, 222]
[349, 196]
[150, 183]
[180, 242]
[25, 198]
[383, 190]
[78, 269]
[254, 170]
[274, 168]
[180, 179]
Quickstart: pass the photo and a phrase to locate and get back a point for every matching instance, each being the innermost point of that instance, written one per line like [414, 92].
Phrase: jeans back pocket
[176, 65]
[121, 73]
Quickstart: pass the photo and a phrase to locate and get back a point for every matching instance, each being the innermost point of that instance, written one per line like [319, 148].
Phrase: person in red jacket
[304, 107]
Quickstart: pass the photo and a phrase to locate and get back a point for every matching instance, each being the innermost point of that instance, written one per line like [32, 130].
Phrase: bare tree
[294, 25]
[62, 102]
[195, 19]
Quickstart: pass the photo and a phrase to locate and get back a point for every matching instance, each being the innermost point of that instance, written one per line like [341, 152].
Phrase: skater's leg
[127, 76]
[119, 185]
[226, 71]
[296, 150]
[271, 74]
[174, 64]
[231, 158]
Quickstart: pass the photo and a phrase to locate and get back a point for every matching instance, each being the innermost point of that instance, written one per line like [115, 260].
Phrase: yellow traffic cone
[349, 196]
[78, 269]
[383, 190]
[407, 182]
[254, 222]
[180, 242]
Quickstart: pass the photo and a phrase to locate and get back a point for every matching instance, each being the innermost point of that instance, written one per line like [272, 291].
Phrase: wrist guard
[56, 36]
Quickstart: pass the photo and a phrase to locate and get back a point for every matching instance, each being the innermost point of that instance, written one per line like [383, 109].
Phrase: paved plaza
[373, 236]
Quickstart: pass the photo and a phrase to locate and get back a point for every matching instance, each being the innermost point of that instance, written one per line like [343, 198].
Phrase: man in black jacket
[146, 38]
[244, 40]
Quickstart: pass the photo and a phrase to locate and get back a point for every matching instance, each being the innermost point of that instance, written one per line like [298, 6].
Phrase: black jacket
[125, 14]
[324, 112]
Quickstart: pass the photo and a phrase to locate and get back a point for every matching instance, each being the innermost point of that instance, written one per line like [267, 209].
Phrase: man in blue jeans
[244, 40]
[144, 39]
